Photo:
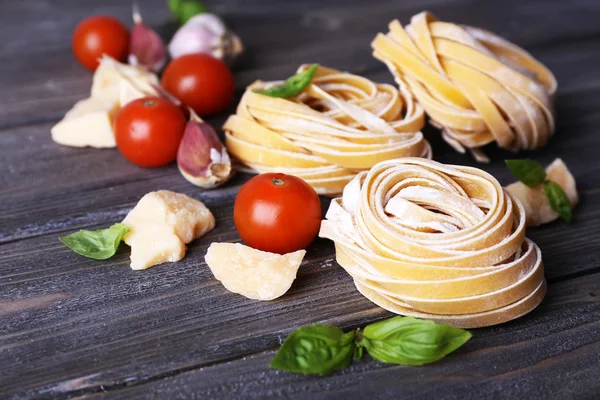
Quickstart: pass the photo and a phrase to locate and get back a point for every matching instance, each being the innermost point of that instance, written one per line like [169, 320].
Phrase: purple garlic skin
[206, 33]
[202, 158]
[146, 47]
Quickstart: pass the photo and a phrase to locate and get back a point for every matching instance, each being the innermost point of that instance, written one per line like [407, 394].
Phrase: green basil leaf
[411, 341]
[189, 9]
[99, 244]
[184, 10]
[558, 200]
[530, 172]
[293, 85]
[315, 349]
[174, 6]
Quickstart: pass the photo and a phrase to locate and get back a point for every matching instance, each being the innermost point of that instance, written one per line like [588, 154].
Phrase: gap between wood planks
[365, 317]
[127, 382]
[364, 70]
[6, 127]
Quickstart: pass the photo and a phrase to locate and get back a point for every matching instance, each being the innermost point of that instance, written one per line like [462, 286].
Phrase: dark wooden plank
[83, 188]
[552, 354]
[68, 325]
[68, 317]
[43, 82]
[87, 172]
[171, 317]
[68, 171]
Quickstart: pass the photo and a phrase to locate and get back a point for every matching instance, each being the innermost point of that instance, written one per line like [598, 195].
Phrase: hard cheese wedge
[130, 90]
[253, 273]
[88, 123]
[110, 74]
[161, 224]
[534, 200]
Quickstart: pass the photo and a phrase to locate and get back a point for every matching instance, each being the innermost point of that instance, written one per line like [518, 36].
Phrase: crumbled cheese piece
[161, 224]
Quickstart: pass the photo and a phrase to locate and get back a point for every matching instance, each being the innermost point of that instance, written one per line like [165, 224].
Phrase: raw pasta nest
[439, 242]
[474, 85]
[339, 125]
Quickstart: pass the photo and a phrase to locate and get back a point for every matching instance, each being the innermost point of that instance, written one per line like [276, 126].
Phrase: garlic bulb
[206, 33]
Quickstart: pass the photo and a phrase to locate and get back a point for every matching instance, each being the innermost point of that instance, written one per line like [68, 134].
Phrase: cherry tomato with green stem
[148, 131]
[278, 213]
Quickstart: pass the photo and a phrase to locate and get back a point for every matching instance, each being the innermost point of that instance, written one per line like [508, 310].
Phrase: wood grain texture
[553, 353]
[70, 326]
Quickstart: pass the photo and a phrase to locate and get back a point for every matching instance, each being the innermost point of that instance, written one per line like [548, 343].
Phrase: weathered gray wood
[71, 326]
[41, 80]
[552, 354]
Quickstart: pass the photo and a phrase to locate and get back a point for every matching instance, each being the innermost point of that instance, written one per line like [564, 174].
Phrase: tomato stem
[148, 103]
[278, 182]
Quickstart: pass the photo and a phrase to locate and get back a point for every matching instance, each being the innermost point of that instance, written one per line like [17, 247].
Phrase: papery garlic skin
[202, 158]
[153, 62]
[146, 47]
[205, 33]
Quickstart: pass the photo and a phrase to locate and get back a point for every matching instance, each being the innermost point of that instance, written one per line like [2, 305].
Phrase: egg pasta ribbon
[475, 86]
[339, 125]
[434, 241]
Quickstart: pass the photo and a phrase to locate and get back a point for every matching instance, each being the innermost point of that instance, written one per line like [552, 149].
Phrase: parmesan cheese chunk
[88, 123]
[253, 273]
[537, 207]
[130, 90]
[109, 75]
[161, 224]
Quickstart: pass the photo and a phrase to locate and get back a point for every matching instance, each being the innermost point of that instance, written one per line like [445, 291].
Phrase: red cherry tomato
[148, 131]
[201, 82]
[277, 213]
[100, 35]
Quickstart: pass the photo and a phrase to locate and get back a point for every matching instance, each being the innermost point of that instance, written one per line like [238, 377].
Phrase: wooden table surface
[73, 327]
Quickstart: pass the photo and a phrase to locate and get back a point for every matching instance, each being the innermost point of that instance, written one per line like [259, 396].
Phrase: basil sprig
[184, 10]
[530, 172]
[99, 244]
[323, 349]
[411, 341]
[293, 85]
[558, 200]
[533, 174]
[315, 349]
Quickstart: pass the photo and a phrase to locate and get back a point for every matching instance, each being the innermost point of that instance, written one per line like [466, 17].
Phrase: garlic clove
[146, 47]
[206, 33]
[202, 159]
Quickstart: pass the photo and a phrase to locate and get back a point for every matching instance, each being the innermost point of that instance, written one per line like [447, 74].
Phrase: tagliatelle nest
[474, 85]
[339, 125]
[439, 242]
